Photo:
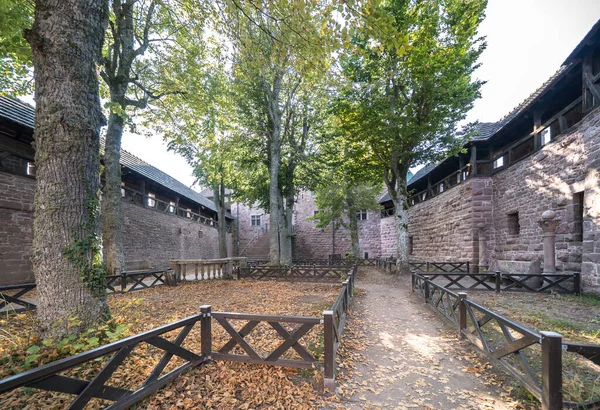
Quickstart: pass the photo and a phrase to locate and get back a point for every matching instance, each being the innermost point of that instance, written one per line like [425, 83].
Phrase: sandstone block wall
[16, 228]
[442, 227]
[548, 179]
[159, 237]
[312, 242]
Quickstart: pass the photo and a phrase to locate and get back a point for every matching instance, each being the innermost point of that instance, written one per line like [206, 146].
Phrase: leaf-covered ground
[219, 385]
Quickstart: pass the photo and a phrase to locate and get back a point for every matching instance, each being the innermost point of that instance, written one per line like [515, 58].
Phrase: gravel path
[412, 359]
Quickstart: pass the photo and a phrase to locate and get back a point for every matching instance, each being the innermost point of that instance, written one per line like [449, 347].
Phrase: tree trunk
[66, 41]
[400, 201]
[274, 166]
[354, 234]
[286, 237]
[219, 192]
[112, 206]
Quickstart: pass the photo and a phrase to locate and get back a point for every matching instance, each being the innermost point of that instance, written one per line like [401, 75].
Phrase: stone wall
[312, 242]
[547, 179]
[159, 237]
[147, 234]
[16, 228]
[442, 227]
[387, 235]
[249, 234]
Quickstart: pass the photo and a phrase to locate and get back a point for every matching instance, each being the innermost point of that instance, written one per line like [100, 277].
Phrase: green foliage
[86, 253]
[51, 349]
[15, 53]
[405, 99]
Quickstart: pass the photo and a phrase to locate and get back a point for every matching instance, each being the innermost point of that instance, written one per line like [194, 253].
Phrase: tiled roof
[17, 111]
[134, 163]
[23, 114]
[485, 130]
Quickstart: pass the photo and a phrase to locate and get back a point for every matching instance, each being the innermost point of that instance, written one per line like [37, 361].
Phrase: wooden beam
[473, 160]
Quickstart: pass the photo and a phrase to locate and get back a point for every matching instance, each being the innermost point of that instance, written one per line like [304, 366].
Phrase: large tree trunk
[354, 239]
[66, 41]
[400, 201]
[116, 75]
[112, 206]
[274, 166]
[286, 236]
[219, 192]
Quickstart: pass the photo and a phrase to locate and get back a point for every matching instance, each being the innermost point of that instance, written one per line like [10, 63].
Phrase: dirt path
[411, 360]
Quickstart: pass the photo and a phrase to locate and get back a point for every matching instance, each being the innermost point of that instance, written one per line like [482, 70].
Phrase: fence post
[498, 281]
[123, 281]
[206, 331]
[426, 291]
[551, 371]
[462, 314]
[577, 283]
[468, 267]
[329, 351]
[427, 267]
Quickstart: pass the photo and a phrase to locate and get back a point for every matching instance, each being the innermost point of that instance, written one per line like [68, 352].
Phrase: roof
[24, 114]
[17, 111]
[143, 168]
[485, 130]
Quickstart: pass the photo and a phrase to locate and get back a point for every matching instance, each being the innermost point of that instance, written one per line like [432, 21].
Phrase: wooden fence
[50, 377]
[512, 346]
[294, 273]
[390, 263]
[502, 282]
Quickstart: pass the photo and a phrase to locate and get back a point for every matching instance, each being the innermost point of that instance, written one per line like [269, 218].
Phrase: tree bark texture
[401, 220]
[286, 233]
[274, 166]
[219, 192]
[116, 74]
[354, 239]
[66, 41]
[112, 206]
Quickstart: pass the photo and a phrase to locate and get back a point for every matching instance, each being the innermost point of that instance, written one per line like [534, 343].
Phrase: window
[30, 169]
[361, 215]
[189, 213]
[499, 162]
[171, 207]
[546, 136]
[410, 245]
[514, 228]
[255, 220]
[578, 201]
[441, 187]
[122, 189]
[150, 201]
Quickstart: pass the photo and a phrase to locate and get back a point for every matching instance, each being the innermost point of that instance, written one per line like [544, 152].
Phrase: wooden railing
[18, 291]
[55, 376]
[508, 343]
[294, 273]
[390, 263]
[503, 282]
[124, 282]
[159, 205]
[205, 269]
[559, 124]
[50, 377]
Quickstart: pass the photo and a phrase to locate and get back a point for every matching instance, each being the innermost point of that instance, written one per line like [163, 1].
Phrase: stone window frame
[362, 215]
[255, 220]
[513, 223]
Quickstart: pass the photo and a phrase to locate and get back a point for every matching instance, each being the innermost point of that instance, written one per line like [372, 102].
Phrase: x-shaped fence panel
[16, 298]
[48, 377]
[502, 339]
[289, 339]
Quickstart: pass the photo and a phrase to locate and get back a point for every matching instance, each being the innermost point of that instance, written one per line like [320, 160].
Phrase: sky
[527, 41]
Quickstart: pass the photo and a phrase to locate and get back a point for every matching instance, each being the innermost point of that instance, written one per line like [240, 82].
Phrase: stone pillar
[482, 260]
[548, 224]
